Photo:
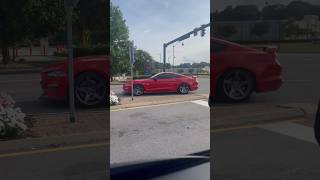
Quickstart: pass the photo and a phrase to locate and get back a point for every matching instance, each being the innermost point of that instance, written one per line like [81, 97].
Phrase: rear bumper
[271, 79]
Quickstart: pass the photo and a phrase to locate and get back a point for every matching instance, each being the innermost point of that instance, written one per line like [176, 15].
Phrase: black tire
[235, 85]
[138, 90]
[90, 90]
[183, 88]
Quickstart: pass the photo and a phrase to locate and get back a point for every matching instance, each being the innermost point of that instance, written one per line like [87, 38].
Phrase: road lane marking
[201, 102]
[249, 126]
[49, 150]
[293, 130]
[147, 106]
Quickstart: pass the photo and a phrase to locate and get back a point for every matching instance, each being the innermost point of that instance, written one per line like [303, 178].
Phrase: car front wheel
[137, 90]
[90, 90]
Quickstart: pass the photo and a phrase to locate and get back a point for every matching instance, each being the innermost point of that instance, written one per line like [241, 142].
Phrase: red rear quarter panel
[262, 65]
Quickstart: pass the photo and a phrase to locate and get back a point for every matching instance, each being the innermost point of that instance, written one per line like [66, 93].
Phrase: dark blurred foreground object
[317, 124]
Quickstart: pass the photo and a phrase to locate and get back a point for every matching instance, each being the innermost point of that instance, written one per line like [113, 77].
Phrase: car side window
[217, 47]
[172, 76]
[161, 76]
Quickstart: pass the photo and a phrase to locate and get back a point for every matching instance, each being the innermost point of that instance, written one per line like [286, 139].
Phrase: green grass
[306, 47]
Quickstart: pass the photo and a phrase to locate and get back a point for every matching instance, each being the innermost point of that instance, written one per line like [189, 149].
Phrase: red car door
[166, 82]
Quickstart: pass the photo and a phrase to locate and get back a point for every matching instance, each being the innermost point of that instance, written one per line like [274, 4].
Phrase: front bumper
[54, 88]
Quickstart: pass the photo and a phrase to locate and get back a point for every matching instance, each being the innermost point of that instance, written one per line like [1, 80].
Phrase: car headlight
[56, 74]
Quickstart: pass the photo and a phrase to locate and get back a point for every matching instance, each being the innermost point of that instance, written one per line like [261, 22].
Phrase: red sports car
[162, 82]
[237, 71]
[91, 81]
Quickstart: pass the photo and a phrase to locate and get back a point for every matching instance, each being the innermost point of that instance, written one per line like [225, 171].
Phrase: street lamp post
[69, 4]
[173, 57]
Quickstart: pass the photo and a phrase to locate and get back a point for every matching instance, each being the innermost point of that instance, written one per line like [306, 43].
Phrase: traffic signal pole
[181, 38]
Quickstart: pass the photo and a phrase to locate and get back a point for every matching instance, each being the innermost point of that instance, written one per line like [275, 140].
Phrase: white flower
[114, 99]
[10, 117]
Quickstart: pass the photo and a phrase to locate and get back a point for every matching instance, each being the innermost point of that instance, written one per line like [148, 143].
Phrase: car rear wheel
[184, 88]
[137, 90]
[236, 85]
[90, 90]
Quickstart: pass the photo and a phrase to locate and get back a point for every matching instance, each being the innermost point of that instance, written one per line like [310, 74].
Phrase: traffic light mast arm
[181, 38]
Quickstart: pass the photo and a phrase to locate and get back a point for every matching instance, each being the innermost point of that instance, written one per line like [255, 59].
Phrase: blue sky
[154, 22]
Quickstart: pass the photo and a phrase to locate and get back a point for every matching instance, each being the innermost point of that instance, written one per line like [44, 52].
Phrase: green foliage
[293, 30]
[119, 37]
[180, 71]
[142, 58]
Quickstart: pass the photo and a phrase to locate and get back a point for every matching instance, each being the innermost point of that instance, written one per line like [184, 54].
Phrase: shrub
[12, 124]
[114, 99]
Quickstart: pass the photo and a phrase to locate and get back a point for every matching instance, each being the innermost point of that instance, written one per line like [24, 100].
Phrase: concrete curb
[283, 114]
[152, 103]
[29, 144]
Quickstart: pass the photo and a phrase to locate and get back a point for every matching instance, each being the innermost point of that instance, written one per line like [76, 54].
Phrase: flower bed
[12, 119]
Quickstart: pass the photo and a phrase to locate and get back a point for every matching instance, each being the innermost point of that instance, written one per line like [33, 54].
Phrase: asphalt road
[76, 164]
[280, 151]
[160, 131]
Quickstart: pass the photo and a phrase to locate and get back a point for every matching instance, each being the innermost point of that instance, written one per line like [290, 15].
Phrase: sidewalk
[250, 114]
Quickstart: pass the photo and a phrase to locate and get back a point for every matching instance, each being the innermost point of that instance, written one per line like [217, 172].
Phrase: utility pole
[164, 57]
[69, 4]
[173, 57]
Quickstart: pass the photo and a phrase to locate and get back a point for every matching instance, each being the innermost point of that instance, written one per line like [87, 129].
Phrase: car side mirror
[155, 79]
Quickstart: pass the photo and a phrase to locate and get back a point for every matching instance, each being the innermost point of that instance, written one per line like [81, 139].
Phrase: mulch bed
[45, 125]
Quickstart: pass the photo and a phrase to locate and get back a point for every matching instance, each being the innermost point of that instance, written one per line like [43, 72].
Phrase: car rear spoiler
[268, 49]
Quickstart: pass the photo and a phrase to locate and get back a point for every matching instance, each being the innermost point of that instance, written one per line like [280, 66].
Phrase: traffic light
[203, 30]
[195, 31]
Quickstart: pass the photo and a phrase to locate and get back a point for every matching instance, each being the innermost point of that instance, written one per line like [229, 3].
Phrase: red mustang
[91, 81]
[162, 82]
[237, 71]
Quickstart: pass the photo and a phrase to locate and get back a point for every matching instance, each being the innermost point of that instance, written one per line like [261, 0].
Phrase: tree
[142, 58]
[28, 20]
[273, 12]
[90, 25]
[293, 30]
[259, 29]
[13, 23]
[180, 71]
[191, 70]
[119, 37]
